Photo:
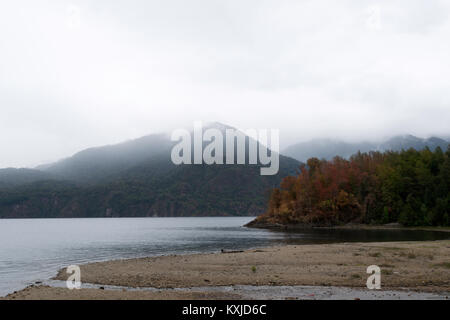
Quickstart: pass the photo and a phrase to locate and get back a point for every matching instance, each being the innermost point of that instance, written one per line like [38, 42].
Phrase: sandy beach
[405, 266]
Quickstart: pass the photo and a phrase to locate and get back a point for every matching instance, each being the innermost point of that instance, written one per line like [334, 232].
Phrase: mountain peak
[329, 148]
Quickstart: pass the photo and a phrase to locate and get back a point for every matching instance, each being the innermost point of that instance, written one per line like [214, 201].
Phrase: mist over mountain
[329, 148]
[100, 164]
[405, 142]
[142, 158]
[137, 178]
[11, 177]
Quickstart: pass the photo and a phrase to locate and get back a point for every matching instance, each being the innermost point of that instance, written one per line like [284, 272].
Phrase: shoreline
[351, 226]
[238, 292]
[411, 266]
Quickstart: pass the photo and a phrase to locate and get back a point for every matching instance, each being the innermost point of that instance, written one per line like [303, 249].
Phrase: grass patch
[386, 266]
[386, 272]
[374, 254]
[253, 269]
[356, 276]
[443, 265]
[409, 255]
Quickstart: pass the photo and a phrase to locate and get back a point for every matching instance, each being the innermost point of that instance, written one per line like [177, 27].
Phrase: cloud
[80, 73]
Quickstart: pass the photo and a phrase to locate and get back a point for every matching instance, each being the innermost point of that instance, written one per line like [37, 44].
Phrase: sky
[76, 74]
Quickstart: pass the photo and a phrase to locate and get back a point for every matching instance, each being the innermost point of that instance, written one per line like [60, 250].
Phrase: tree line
[409, 187]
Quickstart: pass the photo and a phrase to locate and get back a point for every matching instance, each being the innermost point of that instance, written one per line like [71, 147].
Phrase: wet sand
[58, 293]
[405, 266]
[44, 292]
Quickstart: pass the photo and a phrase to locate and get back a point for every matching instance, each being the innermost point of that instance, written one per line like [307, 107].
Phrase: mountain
[104, 163]
[11, 177]
[406, 142]
[328, 148]
[137, 178]
[148, 157]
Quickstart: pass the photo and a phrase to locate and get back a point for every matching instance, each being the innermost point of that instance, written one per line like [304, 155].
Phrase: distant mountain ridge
[329, 148]
[99, 164]
[137, 178]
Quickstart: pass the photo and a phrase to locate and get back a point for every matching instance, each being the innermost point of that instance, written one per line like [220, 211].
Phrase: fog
[76, 74]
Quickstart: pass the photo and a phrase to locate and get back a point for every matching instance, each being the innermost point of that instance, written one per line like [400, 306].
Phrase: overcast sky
[76, 74]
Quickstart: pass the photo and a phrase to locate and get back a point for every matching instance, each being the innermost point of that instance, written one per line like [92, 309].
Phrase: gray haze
[75, 74]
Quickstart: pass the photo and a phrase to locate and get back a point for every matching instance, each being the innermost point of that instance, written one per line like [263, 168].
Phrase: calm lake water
[35, 249]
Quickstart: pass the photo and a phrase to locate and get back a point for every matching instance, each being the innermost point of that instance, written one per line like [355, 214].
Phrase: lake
[35, 249]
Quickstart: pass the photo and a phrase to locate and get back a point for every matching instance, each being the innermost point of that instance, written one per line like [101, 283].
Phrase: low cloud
[75, 74]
